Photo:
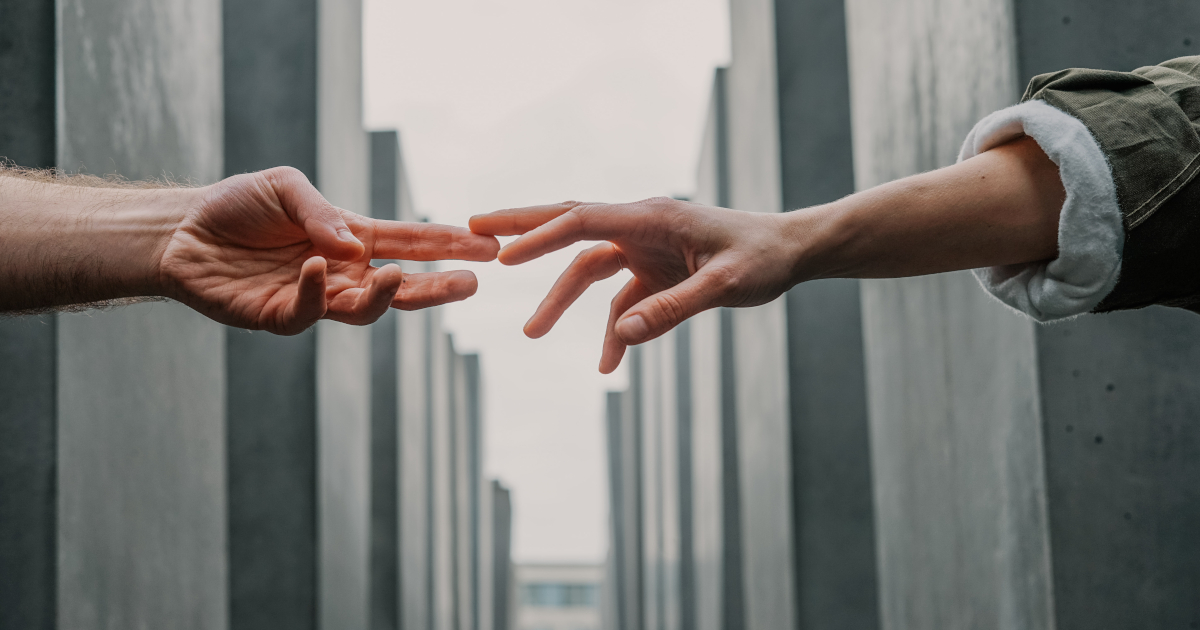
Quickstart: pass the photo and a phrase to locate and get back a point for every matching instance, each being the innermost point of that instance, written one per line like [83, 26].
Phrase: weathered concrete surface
[27, 345]
[630, 492]
[28, 472]
[991, 513]
[343, 352]
[141, 390]
[834, 536]
[272, 479]
[141, 89]
[1122, 483]
[27, 95]
[343, 479]
[441, 542]
[759, 334]
[270, 85]
[141, 470]
[501, 523]
[618, 537]
[385, 413]
[464, 504]
[960, 503]
[271, 120]
[1120, 413]
[651, 485]
[416, 469]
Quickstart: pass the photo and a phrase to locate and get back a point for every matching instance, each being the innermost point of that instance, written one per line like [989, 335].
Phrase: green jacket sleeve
[1147, 123]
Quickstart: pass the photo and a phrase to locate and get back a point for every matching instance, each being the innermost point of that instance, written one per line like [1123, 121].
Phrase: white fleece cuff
[1091, 235]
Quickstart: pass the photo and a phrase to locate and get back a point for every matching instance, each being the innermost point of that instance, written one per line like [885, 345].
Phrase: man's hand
[263, 251]
[267, 251]
[685, 258]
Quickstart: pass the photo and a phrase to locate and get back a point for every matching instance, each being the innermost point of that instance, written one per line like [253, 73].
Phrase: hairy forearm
[999, 208]
[74, 243]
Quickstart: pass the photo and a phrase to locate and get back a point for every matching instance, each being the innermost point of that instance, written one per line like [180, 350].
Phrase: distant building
[558, 596]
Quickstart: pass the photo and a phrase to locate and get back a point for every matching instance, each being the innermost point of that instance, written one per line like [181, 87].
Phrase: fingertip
[313, 267]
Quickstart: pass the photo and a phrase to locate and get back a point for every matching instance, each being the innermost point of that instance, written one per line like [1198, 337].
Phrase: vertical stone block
[759, 334]
[465, 543]
[141, 424]
[1013, 465]
[386, 180]
[653, 613]
[416, 468]
[504, 596]
[28, 442]
[270, 60]
[442, 535]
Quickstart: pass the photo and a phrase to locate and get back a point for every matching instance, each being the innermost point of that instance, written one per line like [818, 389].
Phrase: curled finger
[590, 266]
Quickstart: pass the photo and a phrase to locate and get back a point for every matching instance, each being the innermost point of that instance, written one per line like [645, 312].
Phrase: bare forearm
[999, 208]
[64, 244]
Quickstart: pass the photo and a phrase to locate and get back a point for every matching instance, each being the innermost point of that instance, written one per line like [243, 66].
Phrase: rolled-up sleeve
[1145, 124]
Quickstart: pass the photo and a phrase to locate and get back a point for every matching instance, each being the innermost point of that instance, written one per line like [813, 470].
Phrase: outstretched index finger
[430, 241]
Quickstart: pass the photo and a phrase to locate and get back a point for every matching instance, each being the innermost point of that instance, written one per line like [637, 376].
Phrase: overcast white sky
[518, 102]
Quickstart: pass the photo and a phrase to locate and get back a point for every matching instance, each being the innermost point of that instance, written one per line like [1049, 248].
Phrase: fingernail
[632, 329]
[348, 236]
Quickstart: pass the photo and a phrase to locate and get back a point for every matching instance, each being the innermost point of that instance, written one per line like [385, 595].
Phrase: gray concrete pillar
[72, 449]
[28, 368]
[466, 486]
[759, 334]
[834, 537]
[442, 508]
[388, 196]
[625, 497]
[716, 519]
[294, 98]
[651, 525]
[1025, 476]
[416, 467]
[503, 609]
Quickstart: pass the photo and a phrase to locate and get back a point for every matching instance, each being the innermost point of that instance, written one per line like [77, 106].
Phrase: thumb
[324, 223]
[659, 313]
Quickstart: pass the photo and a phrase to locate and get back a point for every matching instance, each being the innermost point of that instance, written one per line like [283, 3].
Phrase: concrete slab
[415, 511]
[759, 334]
[990, 512]
[141, 422]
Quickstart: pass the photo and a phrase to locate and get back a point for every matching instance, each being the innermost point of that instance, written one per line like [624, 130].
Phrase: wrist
[815, 240]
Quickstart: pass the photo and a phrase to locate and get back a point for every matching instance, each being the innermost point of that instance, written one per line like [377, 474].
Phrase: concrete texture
[343, 478]
[141, 89]
[759, 334]
[270, 116]
[653, 596]
[270, 65]
[140, 394]
[386, 176]
[343, 352]
[502, 576]
[28, 95]
[28, 472]
[443, 606]
[28, 442]
[834, 537]
[272, 470]
[614, 596]
[1025, 477]
[634, 537]
[416, 463]
[465, 543]
[141, 472]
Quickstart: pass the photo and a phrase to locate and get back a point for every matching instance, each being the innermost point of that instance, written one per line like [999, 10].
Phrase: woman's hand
[685, 258]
